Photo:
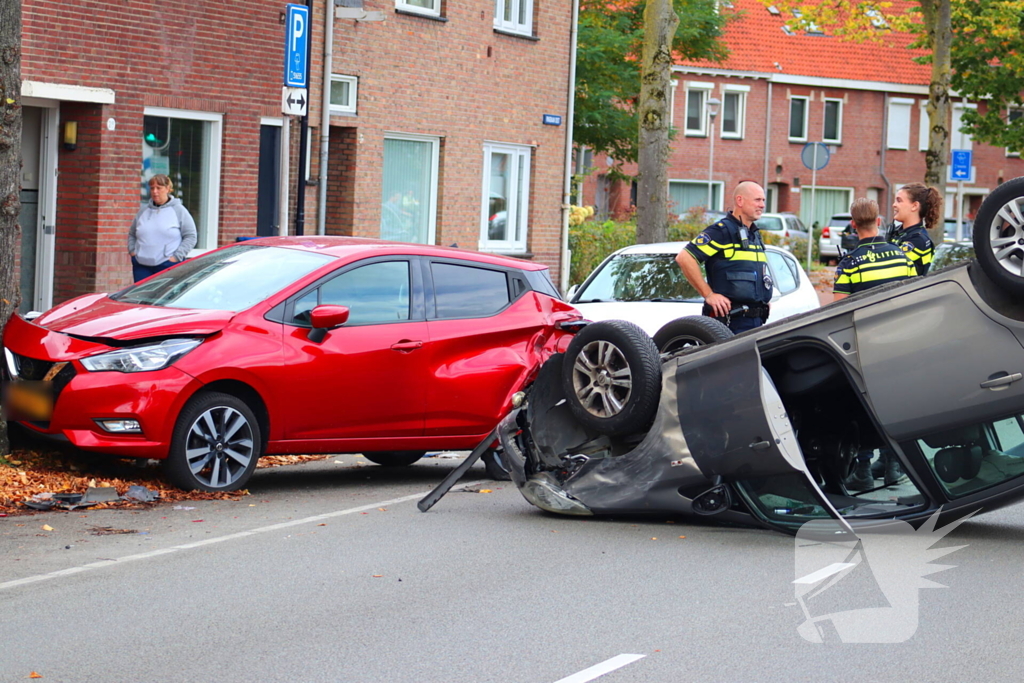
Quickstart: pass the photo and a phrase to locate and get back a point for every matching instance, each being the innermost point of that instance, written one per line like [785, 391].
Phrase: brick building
[436, 129]
[780, 90]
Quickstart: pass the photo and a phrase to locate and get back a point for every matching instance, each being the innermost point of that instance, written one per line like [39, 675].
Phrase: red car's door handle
[407, 345]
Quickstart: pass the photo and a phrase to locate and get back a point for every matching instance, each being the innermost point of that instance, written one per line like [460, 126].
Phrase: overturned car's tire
[394, 458]
[693, 330]
[999, 236]
[612, 377]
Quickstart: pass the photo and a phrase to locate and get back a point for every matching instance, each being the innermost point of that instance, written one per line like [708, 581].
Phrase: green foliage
[608, 67]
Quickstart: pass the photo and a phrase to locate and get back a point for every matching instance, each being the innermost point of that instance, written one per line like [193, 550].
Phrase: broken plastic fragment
[141, 494]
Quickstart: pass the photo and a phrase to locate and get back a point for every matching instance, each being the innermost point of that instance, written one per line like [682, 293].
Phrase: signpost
[815, 156]
[960, 171]
[295, 96]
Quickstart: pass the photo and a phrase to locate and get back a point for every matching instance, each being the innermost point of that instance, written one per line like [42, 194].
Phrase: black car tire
[693, 330]
[611, 376]
[394, 458]
[215, 445]
[998, 242]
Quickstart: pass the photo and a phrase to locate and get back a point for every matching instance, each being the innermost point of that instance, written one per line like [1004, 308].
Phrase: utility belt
[754, 309]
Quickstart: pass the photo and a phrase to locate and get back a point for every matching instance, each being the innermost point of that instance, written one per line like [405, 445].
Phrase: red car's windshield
[231, 279]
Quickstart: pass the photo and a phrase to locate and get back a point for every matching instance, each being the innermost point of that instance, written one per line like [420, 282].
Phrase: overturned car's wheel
[694, 330]
[215, 445]
[612, 377]
[999, 236]
[395, 458]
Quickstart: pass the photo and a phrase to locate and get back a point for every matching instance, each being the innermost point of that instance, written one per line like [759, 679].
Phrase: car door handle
[1001, 381]
[406, 345]
[760, 445]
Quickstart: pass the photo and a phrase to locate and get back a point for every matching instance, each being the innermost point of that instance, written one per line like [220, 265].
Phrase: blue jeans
[141, 272]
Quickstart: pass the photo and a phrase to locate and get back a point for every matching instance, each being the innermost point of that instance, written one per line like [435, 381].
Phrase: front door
[38, 208]
[269, 188]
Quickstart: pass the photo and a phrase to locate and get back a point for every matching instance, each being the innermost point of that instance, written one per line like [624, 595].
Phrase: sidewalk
[822, 281]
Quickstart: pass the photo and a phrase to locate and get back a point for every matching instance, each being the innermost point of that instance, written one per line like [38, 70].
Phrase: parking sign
[296, 46]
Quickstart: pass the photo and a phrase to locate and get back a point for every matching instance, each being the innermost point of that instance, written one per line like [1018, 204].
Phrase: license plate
[25, 400]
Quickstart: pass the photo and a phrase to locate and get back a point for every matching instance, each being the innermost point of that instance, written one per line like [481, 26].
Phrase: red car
[288, 345]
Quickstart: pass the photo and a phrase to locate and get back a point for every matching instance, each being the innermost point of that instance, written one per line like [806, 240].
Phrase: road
[328, 572]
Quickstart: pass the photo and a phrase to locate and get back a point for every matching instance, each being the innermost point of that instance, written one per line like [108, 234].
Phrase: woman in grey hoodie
[163, 232]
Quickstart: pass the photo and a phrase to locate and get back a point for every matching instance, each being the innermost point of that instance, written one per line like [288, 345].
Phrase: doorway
[38, 207]
[269, 188]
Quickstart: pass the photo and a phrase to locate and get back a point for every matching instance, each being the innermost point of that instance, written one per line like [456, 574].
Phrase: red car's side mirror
[324, 318]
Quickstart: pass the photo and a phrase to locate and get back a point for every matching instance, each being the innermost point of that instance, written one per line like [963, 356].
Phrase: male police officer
[874, 262]
[733, 255]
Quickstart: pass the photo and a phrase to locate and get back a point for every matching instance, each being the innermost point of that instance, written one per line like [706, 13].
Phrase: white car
[830, 243]
[644, 285]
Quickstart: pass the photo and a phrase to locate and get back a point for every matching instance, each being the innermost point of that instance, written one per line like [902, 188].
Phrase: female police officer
[733, 255]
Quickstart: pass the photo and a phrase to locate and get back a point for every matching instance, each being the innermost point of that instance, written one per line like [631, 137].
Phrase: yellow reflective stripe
[706, 249]
[885, 263]
[758, 256]
[885, 274]
[718, 245]
[843, 279]
[913, 255]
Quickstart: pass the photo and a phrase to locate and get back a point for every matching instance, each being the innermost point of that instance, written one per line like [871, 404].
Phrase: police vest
[740, 273]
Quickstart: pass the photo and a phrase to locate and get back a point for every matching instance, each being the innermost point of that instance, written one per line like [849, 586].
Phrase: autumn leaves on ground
[33, 470]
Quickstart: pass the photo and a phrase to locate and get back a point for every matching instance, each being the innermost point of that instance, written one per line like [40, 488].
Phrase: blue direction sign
[961, 166]
[296, 46]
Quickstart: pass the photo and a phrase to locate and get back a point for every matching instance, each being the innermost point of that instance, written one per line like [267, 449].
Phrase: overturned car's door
[734, 420]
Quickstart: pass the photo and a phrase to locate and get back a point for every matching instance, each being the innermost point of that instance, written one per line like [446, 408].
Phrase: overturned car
[764, 427]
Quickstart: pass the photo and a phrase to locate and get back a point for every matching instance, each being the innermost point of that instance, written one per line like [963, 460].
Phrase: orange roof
[757, 43]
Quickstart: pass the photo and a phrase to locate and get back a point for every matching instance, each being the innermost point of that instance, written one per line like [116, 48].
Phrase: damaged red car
[288, 345]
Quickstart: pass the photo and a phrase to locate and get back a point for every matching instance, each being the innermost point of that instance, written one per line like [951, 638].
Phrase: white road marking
[218, 539]
[824, 573]
[616, 662]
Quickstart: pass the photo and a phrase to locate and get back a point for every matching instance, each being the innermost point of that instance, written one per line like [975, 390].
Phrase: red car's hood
[97, 315]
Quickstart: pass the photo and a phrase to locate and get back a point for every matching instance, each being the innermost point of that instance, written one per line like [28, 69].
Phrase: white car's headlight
[141, 358]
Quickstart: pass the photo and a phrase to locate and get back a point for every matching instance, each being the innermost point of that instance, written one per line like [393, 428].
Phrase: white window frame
[1009, 112]
[807, 111]
[435, 156]
[705, 90]
[898, 137]
[838, 140]
[433, 11]
[922, 127]
[674, 84]
[741, 111]
[523, 155]
[513, 26]
[211, 218]
[955, 136]
[353, 90]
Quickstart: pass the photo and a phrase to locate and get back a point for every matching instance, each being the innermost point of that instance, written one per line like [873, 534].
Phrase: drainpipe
[325, 115]
[567, 186]
[768, 135]
[881, 157]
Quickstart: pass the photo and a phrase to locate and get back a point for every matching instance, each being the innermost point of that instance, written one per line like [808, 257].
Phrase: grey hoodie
[160, 232]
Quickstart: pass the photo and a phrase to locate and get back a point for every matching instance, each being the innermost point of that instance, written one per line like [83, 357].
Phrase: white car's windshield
[231, 279]
[638, 277]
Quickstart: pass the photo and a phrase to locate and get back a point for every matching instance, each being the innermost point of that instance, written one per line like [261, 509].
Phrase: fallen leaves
[280, 460]
[47, 527]
[35, 675]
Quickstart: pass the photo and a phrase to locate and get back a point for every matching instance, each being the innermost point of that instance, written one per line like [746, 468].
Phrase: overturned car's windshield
[231, 279]
[639, 277]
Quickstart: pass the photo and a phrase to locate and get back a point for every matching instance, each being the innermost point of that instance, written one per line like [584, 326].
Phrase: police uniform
[737, 268]
[918, 247]
[874, 262]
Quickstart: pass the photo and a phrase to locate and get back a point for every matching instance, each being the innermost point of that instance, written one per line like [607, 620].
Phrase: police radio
[744, 237]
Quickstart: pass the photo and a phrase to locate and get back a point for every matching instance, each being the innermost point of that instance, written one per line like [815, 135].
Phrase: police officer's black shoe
[860, 479]
[893, 471]
[878, 467]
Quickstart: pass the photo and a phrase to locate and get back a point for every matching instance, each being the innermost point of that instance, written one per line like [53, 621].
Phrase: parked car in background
[644, 285]
[288, 345]
[952, 253]
[966, 230]
[784, 225]
[830, 241]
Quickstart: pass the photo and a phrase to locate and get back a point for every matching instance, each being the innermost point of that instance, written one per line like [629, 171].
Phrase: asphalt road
[328, 572]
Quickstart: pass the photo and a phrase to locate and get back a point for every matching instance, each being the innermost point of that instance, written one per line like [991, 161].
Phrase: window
[684, 195]
[798, 119]
[514, 16]
[343, 94]
[833, 128]
[409, 189]
[786, 278]
[696, 108]
[828, 201]
[374, 293]
[506, 195]
[427, 7]
[468, 292]
[958, 139]
[734, 99]
[976, 457]
[185, 145]
[1013, 116]
[898, 135]
[923, 127]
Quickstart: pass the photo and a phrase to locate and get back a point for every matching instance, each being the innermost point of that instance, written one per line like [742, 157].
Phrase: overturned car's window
[971, 458]
[231, 279]
[639, 277]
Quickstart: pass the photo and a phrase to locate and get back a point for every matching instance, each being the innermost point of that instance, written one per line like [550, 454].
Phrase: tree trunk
[10, 165]
[938, 19]
[660, 22]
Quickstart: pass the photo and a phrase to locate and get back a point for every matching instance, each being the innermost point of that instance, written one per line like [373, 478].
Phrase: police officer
[915, 207]
[874, 262]
[733, 255]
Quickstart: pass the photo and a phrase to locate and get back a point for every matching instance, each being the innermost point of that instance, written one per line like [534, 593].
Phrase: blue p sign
[296, 46]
